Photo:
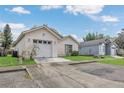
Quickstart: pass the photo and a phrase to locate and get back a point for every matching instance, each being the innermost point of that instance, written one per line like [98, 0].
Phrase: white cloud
[19, 10]
[91, 11]
[105, 19]
[84, 9]
[109, 19]
[16, 28]
[49, 7]
[15, 35]
[76, 37]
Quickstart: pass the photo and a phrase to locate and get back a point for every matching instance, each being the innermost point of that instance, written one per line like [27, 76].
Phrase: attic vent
[43, 34]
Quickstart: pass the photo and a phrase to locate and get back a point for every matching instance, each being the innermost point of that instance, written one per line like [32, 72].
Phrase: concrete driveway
[45, 60]
[63, 75]
[12, 78]
[107, 71]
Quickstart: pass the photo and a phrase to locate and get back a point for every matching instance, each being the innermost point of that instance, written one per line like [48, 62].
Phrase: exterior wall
[102, 49]
[113, 50]
[41, 34]
[89, 50]
[61, 46]
[20, 47]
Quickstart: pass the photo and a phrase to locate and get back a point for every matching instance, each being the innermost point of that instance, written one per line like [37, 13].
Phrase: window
[49, 42]
[34, 41]
[68, 49]
[40, 41]
[44, 42]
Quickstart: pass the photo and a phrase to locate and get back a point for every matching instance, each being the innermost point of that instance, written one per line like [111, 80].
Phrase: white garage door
[44, 48]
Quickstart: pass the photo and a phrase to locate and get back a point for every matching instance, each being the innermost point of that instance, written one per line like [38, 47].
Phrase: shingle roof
[39, 27]
[93, 42]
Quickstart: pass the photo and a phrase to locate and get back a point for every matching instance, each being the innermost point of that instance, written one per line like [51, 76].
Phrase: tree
[7, 37]
[94, 36]
[33, 51]
[120, 40]
[99, 36]
[89, 36]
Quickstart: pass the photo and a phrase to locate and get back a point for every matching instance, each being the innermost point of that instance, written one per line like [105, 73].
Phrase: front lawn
[12, 61]
[106, 59]
[115, 61]
[79, 58]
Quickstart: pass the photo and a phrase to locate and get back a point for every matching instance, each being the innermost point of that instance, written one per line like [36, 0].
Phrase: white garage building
[46, 42]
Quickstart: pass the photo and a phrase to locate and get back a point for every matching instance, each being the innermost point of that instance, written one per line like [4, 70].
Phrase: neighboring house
[98, 47]
[1, 38]
[46, 42]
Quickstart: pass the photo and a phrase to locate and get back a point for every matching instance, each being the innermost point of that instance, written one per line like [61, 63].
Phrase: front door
[68, 49]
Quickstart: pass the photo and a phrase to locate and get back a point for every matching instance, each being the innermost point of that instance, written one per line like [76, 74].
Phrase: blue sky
[74, 20]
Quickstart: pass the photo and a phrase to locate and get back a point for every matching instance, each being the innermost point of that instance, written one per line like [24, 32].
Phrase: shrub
[120, 52]
[99, 56]
[15, 54]
[74, 53]
[102, 57]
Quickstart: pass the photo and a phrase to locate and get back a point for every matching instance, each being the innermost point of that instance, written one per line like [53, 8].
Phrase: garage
[43, 41]
[44, 48]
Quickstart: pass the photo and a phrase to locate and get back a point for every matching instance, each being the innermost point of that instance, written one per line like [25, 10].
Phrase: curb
[12, 70]
[82, 62]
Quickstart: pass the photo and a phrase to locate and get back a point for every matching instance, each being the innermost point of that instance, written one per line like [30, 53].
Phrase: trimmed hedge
[74, 53]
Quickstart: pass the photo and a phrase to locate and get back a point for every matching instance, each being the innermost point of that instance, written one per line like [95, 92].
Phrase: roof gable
[94, 42]
[69, 36]
[52, 31]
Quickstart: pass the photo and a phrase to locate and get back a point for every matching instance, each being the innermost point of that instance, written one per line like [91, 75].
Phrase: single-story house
[98, 47]
[46, 42]
[2, 52]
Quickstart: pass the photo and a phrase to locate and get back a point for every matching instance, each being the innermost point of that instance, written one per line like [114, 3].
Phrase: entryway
[68, 49]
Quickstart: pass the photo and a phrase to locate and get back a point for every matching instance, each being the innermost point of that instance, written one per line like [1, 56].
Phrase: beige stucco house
[46, 42]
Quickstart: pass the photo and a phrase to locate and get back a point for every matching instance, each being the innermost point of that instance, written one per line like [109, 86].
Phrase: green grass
[79, 58]
[106, 60]
[114, 61]
[12, 61]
